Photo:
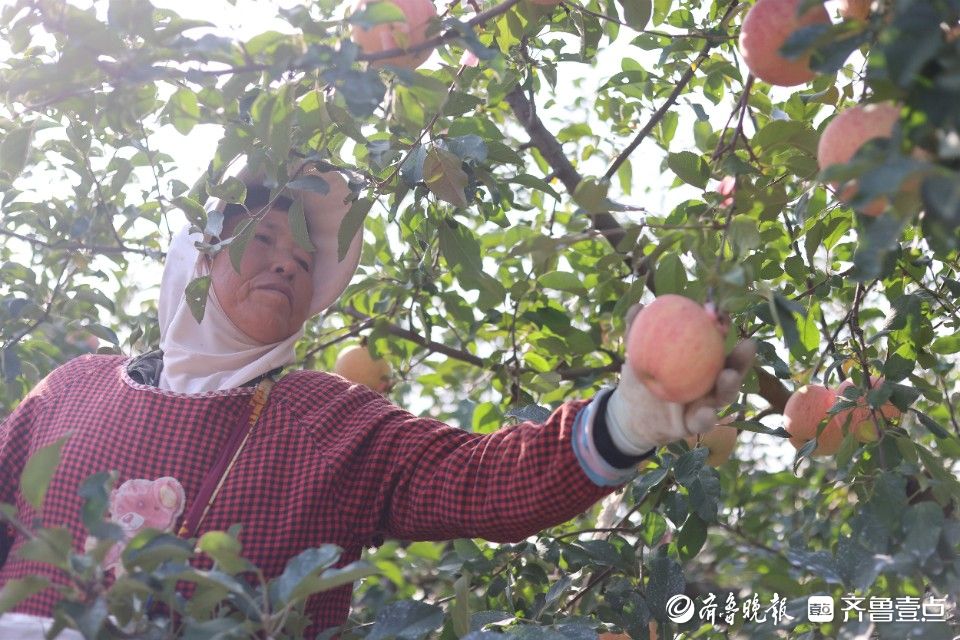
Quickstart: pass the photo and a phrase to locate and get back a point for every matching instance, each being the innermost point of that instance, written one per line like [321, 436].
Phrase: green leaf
[102, 332]
[238, 244]
[95, 491]
[469, 148]
[692, 536]
[591, 194]
[461, 250]
[666, 581]
[363, 91]
[922, 523]
[406, 620]
[196, 295]
[289, 586]
[351, 224]
[38, 471]
[534, 182]
[310, 182]
[150, 549]
[932, 425]
[670, 275]
[224, 549]
[298, 226]
[14, 150]
[444, 176]
[17, 590]
[562, 281]
[183, 110]
[51, 546]
[783, 312]
[689, 167]
[230, 190]
[705, 494]
[192, 209]
[336, 577]
[744, 234]
[379, 12]
[946, 344]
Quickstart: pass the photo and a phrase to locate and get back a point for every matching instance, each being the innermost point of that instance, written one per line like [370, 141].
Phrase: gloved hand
[639, 421]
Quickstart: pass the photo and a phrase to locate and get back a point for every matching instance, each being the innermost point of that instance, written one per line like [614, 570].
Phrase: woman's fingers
[632, 314]
[730, 379]
[741, 358]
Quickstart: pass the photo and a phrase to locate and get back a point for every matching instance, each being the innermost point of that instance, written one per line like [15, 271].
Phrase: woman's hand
[639, 421]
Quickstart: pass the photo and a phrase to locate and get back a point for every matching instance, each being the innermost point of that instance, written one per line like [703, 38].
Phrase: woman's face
[269, 300]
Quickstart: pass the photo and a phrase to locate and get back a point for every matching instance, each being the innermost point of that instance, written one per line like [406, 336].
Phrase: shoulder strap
[215, 478]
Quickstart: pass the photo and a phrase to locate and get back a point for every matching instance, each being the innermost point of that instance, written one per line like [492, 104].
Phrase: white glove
[639, 421]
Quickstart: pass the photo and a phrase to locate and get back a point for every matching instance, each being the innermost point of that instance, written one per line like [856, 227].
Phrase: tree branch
[552, 152]
[568, 373]
[672, 98]
[78, 246]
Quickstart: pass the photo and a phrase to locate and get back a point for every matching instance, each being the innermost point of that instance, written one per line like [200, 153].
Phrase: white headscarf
[214, 354]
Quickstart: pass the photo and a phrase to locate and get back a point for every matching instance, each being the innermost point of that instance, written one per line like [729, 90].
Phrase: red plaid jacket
[329, 462]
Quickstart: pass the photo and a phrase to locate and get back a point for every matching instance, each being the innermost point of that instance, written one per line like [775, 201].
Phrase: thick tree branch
[552, 152]
[569, 373]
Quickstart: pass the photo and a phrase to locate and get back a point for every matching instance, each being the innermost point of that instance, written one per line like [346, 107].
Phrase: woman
[327, 461]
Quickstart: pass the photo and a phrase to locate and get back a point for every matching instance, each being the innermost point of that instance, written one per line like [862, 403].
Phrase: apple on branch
[846, 134]
[804, 413]
[406, 34]
[719, 441]
[675, 347]
[356, 365]
[768, 25]
[860, 420]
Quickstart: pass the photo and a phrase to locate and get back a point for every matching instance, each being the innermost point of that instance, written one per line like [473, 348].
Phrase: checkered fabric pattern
[329, 462]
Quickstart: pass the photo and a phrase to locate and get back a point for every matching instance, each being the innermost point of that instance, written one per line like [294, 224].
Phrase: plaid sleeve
[16, 435]
[436, 482]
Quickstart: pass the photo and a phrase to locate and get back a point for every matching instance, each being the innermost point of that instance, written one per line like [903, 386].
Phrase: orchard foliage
[512, 215]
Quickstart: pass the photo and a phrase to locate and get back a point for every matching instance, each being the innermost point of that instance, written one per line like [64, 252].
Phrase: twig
[449, 34]
[672, 98]
[46, 311]
[79, 246]
[423, 131]
[569, 373]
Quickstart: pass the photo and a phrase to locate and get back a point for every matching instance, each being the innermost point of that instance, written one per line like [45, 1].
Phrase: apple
[805, 410]
[764, 31]
[356, 365]
[651, 630]
[392, 35]
[675, 347]
[860, 419]
[720, 441]
[855, 9]
[850, 130]
[727, 188]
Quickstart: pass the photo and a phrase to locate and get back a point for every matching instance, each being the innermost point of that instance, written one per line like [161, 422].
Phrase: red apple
[356, 365]
[720, 441]
[412, 31]
[850, 130]
[860, 420]
[766, 28]
[806, 409]
[675, 347]
[855, 9]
